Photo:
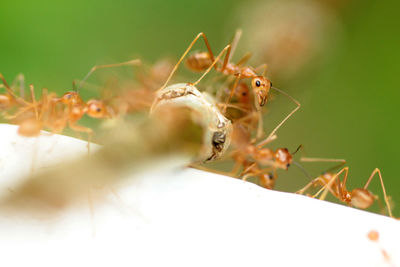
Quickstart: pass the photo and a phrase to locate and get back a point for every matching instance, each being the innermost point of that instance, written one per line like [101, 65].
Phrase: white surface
[185, 217]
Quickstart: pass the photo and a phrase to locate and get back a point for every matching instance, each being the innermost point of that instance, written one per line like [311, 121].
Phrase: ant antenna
[285, 119]
[226, 49]
[303, 170]
[235, 41]
[74, 86]
[134, 62]
[201, 34]
[297, 149]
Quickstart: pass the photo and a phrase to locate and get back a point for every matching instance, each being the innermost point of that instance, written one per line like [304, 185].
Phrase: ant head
[97, 109]
[70, 97]
[267, 180]
[283, 158]
[361, 198]
[261, 87]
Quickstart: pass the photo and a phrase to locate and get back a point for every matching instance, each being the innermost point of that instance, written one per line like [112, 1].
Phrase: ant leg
[232, 92]
[273, 138]
[247, 171]
[383, 188]
[328, 186]
[235, 168]
[133, 62]
[263, 67]
[234, 43]
[314, 182]
[264, 171]
[226, 50]
[20, 82]
[247, 176]
[32, 90]
[184, 55]
[341, 162]
[234, 106]
[45, 103]
[285, 119]
[11, 92]
[28, 107]
[244, 118]
[83, 129]
[260, 127]
[244, 59]
[8, 89]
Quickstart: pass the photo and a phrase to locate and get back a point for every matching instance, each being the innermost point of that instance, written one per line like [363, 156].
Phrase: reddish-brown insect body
[250, 157]
[97, 109]
[359, 197]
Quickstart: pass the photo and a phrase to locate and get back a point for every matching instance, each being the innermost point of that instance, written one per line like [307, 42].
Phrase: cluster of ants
[240, 98]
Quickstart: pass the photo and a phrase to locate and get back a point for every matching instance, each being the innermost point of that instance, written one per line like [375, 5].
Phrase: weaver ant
[260, 84]
[360, 198]
[252, 157]
[216, 126]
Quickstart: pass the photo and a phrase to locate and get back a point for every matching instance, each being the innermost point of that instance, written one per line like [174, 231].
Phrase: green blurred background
[347, 86]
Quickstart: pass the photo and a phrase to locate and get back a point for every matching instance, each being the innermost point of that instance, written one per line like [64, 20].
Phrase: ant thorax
[217, 128]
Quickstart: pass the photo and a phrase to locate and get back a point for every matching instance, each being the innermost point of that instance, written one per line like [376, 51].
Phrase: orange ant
[251, 157]
[76, 107]
[28, 126]
[217, 127]
[260, 84]
[151, 78]
[140, 97]
[202, 60]
[360, 198]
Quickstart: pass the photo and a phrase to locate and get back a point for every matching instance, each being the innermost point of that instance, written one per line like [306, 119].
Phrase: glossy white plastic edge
[171, 216]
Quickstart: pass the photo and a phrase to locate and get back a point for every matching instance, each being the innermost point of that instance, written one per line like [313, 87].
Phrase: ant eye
[244, 94]
[258, 83]
[98, 109]
[68, 96]
[270, 176]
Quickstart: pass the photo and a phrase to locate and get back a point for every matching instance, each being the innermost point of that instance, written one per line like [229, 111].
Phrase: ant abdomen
[361, 198]
[30, 128]
[5, 101]
[199, 61]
